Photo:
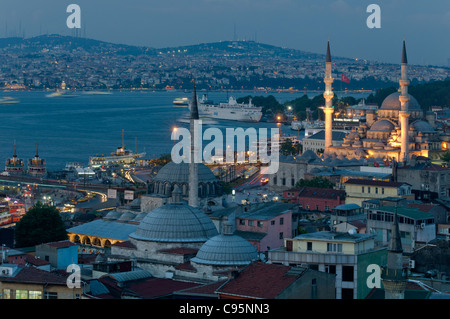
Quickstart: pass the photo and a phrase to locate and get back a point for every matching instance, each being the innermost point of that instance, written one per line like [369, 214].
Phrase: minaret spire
[404, 58]
[394, 275]
[404, 111]
[328, 57]
[193, 166]
[328, 95]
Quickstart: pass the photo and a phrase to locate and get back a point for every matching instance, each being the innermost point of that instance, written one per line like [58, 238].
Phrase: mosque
[398, 131]
[176, 239]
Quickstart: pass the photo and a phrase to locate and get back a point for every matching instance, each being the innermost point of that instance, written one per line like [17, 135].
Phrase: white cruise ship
[230, 110]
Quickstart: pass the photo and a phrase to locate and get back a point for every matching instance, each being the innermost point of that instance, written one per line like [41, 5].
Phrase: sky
[296, 24]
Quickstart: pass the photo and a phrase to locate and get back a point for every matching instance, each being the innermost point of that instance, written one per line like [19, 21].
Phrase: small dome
[179, 173]
[226, 250]
[392, 102]
[308, 156]
[382, 126]
[127, 216]
[175, 223]
[112, 215]
[352, 135]
[139, 217]
[422, 126]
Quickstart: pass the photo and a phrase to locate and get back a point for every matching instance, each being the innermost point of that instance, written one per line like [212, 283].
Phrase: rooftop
[374, 183]
[411, 212]
[316, 192]
[249, 284]
[336, 136]
[105, 229]
[335, 236]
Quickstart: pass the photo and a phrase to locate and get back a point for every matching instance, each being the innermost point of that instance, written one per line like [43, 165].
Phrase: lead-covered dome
[179, 173]
[382, 126]
[392, 102]
[175, 223]
[226, 250]
[422, 126]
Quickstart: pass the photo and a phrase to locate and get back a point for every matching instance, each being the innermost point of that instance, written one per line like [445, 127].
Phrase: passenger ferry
[230, 110]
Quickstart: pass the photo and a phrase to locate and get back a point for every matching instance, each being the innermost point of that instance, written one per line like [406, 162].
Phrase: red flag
[344, 78]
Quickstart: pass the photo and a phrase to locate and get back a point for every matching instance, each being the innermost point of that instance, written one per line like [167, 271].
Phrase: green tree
[41, 224]
[446, 157]
[289, 148]
[318, 181]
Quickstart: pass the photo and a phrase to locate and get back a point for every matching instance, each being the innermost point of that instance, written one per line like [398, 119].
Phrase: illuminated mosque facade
[397, 131]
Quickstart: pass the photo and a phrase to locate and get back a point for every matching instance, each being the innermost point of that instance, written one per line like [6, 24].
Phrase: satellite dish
[352, 231]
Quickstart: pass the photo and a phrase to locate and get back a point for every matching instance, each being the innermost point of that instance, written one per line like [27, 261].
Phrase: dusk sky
[296, 24]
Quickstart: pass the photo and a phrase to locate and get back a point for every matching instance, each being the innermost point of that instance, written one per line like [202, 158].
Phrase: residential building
[347, 255]
[20, 282]
[359, 190]
[314, 198]
[348, 217]
[265, 225]
[60, 254]
[416, 227]
[427, 180]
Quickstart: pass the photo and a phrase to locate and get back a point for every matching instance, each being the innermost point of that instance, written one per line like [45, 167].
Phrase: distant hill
[233, 48]
[68, 42]
[243, 48]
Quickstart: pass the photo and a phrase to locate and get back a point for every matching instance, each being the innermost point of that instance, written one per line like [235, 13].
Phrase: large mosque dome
[173, 174]
[179, 173]
[392, 102]
[226, 250]
[175, 223]
[382, 126]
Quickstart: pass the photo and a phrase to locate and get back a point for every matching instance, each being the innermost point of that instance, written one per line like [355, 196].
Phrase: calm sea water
[73, 129]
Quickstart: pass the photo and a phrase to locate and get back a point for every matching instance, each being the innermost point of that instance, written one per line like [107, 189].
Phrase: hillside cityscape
[44, 62]
[358, 207]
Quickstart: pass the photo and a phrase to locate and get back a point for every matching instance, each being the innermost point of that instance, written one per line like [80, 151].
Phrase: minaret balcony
[403, 82]
[403, 99]
[328, 80]
[394, 274]
[328, 96]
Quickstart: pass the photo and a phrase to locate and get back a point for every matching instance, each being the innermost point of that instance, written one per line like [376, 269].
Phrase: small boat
[8, 100]
[181, 102]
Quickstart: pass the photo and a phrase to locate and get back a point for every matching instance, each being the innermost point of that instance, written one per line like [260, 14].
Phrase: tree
[446, 157]
[318, 181]
[289, 148]
[41, 224]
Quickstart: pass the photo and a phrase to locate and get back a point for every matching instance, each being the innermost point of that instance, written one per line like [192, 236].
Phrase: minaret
[394, 276]
[193, 166]
[404, 111]
[328, 95]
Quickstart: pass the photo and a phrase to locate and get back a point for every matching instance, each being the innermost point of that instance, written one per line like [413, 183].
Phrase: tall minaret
[394, 275]
[193, 166]
[404, 111]
[328, 95]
